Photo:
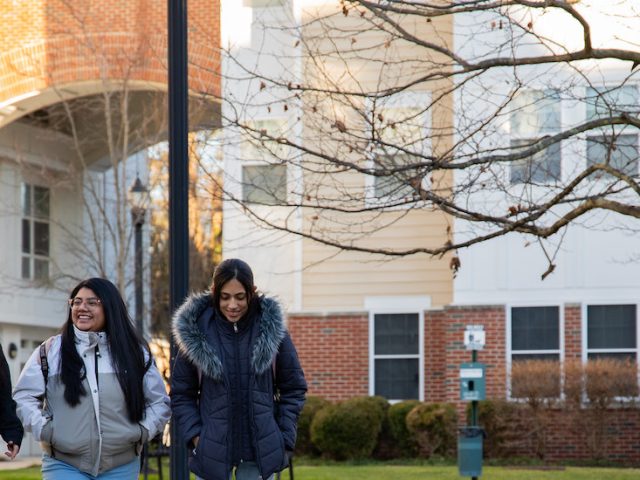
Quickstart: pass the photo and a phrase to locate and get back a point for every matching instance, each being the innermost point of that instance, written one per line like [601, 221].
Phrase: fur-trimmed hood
[192, 341]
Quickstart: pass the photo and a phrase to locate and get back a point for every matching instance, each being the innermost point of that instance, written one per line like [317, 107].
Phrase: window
[264, 184]
[603, 102]
[259, 140]
[542, 167]
[264, 181]
[535, 351]
[399, 138]
[396, 355]
[35, 232]
[612, 332]
[536, 113]
[620, 152]
[618, 145]
[535, 333]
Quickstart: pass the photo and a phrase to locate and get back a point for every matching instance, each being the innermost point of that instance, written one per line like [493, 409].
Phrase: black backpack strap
[44, 362]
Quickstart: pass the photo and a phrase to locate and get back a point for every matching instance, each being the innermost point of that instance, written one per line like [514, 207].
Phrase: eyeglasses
[91, 302]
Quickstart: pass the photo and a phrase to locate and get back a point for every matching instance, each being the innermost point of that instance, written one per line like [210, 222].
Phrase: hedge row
[366, 427]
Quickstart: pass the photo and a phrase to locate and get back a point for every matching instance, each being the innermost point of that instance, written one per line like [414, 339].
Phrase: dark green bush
[434, 427]
[398, 430]
[304, 445]
[349, 429]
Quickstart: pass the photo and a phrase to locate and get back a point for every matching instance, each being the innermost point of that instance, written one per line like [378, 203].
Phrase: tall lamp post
[138, 195]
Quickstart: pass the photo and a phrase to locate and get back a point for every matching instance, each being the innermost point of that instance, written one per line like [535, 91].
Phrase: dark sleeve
[10, 426]
[292, 388]
[185, 386]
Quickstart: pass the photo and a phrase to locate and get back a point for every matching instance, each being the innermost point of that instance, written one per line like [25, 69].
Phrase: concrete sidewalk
[20, 462]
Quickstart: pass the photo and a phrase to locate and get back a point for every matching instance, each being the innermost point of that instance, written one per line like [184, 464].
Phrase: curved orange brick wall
[47, 44]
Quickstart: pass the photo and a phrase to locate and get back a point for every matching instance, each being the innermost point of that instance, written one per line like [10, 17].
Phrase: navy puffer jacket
[201, 393]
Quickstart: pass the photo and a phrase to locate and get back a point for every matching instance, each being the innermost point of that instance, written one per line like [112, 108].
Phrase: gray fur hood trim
[193, 343]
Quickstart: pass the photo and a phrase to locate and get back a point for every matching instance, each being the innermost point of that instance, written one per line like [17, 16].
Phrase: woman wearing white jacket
[99, 396]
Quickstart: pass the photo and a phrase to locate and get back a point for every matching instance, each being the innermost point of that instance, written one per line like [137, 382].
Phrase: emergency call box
[472, 381]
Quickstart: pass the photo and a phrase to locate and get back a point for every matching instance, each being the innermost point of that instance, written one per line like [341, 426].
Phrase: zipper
[235, 327]
[97, 355]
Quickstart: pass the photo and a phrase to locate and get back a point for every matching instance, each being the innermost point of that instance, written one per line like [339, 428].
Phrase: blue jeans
[53, 469]
[246, 471]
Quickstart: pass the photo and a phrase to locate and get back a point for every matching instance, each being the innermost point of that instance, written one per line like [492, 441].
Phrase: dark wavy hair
[235, 269]
[126, 346]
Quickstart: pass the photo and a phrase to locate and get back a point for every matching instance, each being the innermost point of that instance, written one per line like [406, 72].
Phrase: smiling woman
[104, 394]
[87, 313]
[237, 387]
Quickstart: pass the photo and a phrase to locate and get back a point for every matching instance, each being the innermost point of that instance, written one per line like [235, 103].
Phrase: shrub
[434, 427]
[398, 430]
[536, 381]
[349, 429]
[502, 423]
[304, 445]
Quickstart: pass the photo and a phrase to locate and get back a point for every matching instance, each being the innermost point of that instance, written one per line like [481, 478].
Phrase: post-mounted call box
[472, 381]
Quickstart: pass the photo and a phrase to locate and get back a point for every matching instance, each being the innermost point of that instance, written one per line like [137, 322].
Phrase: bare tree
[507, 116]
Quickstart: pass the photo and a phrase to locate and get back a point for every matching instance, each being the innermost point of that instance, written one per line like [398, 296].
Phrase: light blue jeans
[53, 469]
[246, 471]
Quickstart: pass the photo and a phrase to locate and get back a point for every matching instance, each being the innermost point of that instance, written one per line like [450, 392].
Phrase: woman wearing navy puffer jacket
[237, 387]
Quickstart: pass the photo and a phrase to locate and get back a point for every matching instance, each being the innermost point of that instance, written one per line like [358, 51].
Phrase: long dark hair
[235, 269]
[126, 347]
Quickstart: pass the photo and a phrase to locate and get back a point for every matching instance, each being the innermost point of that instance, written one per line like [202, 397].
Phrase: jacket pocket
[46, 434]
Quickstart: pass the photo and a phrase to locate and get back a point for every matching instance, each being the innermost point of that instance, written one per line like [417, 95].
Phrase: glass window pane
[26, 267]
[543, 167]
[259, 140]
[535, 112]
[611, 326]
[397, 379]
[400, 126]
[26, 236]
[41, 269]
[26, 200]
[396, 334]
[41, 239]
[399, 184]
[622, 356]
[264, 184]
[621, 152]
[535, 328]
[603, 102]
[41, 202]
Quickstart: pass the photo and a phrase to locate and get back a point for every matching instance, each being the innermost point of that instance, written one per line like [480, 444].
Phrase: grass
[382, 471]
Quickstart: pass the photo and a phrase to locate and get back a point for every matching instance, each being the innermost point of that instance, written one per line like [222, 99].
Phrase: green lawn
[413, 472]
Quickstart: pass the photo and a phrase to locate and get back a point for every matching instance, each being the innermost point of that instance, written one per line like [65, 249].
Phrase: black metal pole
[137, 222]
[474, 403]
[178, 190]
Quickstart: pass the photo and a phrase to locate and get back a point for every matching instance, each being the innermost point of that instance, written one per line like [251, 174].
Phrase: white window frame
[399, 101]
[397, 305]
[534, 136]
[509, 331]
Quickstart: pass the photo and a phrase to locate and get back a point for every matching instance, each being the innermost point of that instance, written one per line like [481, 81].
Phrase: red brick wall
[334, 352]
[572, 331]
[45, 43]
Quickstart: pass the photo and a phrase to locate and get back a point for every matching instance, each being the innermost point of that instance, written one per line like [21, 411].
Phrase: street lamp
[138, 196]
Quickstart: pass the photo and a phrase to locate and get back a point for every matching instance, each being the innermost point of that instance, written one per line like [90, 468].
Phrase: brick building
[83, 88]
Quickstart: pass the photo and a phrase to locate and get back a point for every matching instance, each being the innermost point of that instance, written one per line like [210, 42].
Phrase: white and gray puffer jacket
[96, 435]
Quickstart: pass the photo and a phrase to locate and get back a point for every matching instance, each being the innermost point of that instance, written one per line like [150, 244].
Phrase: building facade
[83, 89]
